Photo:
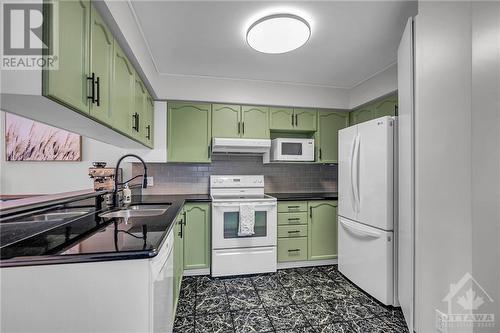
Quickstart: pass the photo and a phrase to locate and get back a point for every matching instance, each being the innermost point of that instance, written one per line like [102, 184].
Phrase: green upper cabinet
[149, 115]
[386, 107]
[293, 120]
[123, 93]
[197, 235]
[360, 115]
[322, 230]
[189, 132]
[178, 256]
[383, 107]
[281, 119]
[329, 123]
[226, 121]
[305, 120]
[101, 65]
[255, 122]
[139, 111]
[69, 85]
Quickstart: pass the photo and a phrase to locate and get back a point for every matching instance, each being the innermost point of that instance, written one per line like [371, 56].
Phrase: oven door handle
[267, 204]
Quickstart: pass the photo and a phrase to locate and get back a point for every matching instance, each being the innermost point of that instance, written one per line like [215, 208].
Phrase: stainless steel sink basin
[136, 211]
[58, 216]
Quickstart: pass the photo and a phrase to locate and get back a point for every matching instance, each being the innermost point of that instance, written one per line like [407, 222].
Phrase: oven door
[225, 223]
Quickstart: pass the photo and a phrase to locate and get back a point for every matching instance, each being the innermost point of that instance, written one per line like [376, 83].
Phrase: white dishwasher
[162, 273]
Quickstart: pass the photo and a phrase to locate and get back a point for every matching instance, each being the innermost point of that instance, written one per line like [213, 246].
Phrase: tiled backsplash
[194, 178]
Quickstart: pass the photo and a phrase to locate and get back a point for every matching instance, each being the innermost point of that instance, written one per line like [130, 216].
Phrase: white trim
[193, 272]
[306, 263]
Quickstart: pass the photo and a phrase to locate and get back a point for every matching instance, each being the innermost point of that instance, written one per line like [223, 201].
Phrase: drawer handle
[293, 231]
[294, 250]
[294, 219]
[293, 207]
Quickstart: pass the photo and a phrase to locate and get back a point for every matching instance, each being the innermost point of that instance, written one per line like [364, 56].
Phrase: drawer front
[292, 249]
[292, 218]
[285, 231]
[292, 206]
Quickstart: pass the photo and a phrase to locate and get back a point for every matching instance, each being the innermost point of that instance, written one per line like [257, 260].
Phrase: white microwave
[285, 149]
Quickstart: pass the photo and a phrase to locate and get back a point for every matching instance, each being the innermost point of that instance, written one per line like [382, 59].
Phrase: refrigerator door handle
[352, 228]
[355, 173]
[351, 167]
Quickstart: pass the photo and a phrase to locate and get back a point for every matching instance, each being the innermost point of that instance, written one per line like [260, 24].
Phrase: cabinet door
[139, 111]
[69, 85]
[226, 121]
[281, 119]
[149, 121]
[122, 93]
[322, 231]
[101, 64]
[255, 122]
[189, 132]
[329, 124]
[305, 120]
[197, 237]
[360, 115]
[178, 257]
[386, 107]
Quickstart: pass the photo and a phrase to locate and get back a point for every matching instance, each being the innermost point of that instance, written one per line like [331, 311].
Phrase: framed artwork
[29, 140]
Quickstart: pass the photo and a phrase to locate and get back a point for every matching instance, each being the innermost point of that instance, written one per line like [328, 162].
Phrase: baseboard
[308, 263]
[200, 271]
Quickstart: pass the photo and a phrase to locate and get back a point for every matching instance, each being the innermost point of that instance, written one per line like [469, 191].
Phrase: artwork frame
[27, 140]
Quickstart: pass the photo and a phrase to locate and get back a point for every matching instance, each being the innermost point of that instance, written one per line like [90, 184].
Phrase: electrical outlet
[441, 322]
[150, 181]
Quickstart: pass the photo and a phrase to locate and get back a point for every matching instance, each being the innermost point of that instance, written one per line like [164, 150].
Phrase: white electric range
[233, 254]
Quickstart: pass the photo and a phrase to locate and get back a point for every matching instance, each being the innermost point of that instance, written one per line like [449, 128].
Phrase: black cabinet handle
[243, 127]
[92, 89]
[134, 123]
[320, 154]
[98, 89]
[293, 231]
[296, 120]
[396, 109]
[294, 250]
[209, 151]
[181, 232]
[293, 207]
[138, 121]
[292, 119]
[148, 136]
[239, 126]
[311, 212]
[294, 219]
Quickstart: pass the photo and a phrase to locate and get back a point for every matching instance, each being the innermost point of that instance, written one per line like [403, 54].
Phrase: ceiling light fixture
[279, 33]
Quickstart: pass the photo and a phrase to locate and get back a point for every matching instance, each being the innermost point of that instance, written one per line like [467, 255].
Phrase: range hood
[241, 146]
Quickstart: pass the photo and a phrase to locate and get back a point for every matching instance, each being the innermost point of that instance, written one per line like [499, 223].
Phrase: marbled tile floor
[313, 299]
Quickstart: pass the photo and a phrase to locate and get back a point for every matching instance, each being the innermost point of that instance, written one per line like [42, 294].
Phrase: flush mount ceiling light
[279, 33]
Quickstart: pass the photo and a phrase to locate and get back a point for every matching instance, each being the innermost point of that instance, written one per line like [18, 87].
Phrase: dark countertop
[305, 196]
[90, 238]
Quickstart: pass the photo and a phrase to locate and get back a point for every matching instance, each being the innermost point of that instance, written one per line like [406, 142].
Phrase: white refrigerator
[366, 244]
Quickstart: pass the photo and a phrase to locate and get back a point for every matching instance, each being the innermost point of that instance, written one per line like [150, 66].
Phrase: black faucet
[116, 201]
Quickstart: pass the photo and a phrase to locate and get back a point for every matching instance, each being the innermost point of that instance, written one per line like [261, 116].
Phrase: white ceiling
[350, 41]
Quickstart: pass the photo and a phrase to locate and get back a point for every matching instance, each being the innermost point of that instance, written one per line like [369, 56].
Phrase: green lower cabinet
[178, 257]
[189, 132]
[290, 231]
[322, 230]
[255, 122]
[292, 249]
[197, 235]
[329, 124]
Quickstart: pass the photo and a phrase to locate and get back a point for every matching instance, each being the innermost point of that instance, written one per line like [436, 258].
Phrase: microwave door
[291, 150]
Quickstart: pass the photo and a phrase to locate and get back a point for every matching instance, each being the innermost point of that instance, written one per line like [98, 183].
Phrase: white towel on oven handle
[247, 220]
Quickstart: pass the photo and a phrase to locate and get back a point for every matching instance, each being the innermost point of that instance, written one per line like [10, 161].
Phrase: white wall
[380, 84]
[52, 177]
